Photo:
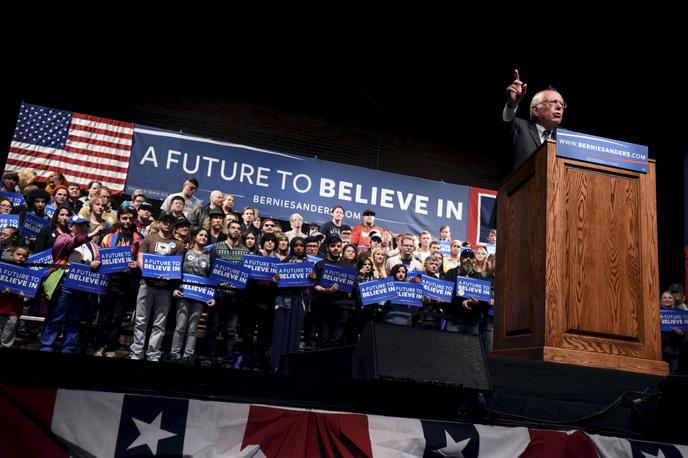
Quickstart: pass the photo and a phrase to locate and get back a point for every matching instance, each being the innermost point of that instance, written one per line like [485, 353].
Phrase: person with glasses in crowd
[191, 203]
[546, 112]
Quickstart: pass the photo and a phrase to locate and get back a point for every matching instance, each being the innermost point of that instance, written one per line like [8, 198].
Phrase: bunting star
[150, 434]
[660, 454]
[453, 448]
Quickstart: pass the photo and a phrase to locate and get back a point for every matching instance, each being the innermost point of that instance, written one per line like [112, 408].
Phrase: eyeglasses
[5, 205]
[554, 102]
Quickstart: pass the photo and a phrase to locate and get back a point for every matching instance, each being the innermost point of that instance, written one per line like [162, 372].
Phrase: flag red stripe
[116, 185]
[98, 154]
[93, 164]
[121, 149]
[113, 122]
[25, 423]
[95, 130]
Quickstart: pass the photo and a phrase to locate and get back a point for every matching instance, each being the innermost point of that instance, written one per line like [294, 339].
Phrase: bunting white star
[150, 434]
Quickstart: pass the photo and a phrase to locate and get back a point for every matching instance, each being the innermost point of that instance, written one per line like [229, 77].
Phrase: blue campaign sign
[33, 225]
[261, 267]
[114, 260]
[600, 150]
[414, 273]
[50, 211]
[472, 287]
[9, 221]
[280, 184]
[42, 257]
[164, 267]
[314, 259]
[375, 291]
[16, 198]
[674, 319]
[19, 279]
[197, 288]
[292, 274]
[445, 247]
[434, 288]
[235, 275]
[491, 248]
[408, 293]
[82, 278]
[344, 278]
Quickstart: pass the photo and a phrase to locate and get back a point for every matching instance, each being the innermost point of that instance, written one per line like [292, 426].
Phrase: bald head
[216, 198]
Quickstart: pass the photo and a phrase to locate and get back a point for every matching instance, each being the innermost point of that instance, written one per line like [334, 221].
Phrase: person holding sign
[546, 112]
[331, 306]
[58, 226]
[66, 304]
[464, 311]
[11, 305]
[155, 294]
[196, 262]
[224, 316]
[122, 287]
[290, 308]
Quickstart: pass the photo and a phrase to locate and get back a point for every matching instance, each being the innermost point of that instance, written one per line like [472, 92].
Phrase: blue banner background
[472, 287]
[261, 267]
[434, 288]
[43, 257]
[408, 294]
[9, 221]
[281, 184]
[674, 319]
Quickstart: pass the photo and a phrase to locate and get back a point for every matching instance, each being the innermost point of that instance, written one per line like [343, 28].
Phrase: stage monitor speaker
[401, 353]
[330, 362]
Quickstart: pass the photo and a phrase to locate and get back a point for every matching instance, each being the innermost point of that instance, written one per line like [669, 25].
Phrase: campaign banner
[235, 275]
[42, 257]
[19, 279]
[16, 198]
[437, 289]
[314, 259]
[375, 291]
[600, 150]
[414, 273]
[162, 267]
[472, 287]
[197, 288]
[33, 225]
[50, 211]
[81, 278]
[261, 267]
[674, 319]
[9, 221]
[408, 294]
[113, 260]
[445, 247]
[280, 184]
[293, 274]
[344, 278]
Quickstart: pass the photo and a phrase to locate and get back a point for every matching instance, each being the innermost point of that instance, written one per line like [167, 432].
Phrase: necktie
[545, 135]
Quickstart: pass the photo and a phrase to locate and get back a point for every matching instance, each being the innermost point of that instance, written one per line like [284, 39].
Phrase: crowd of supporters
[247, 327]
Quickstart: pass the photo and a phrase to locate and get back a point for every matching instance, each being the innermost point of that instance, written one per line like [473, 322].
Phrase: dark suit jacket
[525, 139]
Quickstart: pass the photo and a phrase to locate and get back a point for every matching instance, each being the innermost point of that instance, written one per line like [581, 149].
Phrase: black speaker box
[388, 352]
[330, 362]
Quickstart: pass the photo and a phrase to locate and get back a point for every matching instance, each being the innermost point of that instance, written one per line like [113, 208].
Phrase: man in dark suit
[546, 112]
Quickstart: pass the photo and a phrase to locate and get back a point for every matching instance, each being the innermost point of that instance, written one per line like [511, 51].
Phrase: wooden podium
[577, 277]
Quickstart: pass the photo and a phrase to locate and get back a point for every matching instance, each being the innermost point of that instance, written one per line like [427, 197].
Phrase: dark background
[434, 115]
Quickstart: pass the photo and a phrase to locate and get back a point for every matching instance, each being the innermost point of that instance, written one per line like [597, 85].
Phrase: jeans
[188, 316]
[155, 302]
[65, 308]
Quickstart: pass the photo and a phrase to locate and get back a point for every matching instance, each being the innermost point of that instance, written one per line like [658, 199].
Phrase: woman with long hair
[282, 246]
[58, 225]
[379, 259]
[196, 262]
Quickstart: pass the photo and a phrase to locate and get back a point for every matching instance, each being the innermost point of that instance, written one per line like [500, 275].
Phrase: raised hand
[515, 91]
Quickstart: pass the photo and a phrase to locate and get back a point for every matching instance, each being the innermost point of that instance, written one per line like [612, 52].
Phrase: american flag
[82, 147]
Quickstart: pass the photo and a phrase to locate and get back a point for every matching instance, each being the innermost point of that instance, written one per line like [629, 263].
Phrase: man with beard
[224, 315]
